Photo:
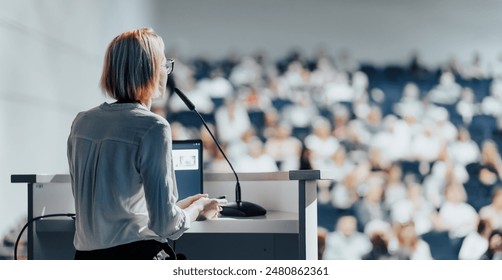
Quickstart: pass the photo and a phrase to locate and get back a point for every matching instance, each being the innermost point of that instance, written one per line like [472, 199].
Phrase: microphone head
[185, 99]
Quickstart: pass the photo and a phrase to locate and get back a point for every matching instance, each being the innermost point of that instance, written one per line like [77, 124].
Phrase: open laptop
[188, 166]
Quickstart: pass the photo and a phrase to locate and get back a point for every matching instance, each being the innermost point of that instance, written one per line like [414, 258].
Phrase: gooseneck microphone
[238, 208]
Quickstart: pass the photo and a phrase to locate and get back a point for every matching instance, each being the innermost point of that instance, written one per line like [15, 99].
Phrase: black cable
[36, 219]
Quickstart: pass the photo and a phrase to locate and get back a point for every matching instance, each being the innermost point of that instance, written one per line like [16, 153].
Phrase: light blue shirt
[122, 177]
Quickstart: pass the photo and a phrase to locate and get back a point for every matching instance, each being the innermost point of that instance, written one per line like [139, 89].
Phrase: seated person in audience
[455, 215]
[284, 148]
[219, 164]
[296, 76]
[493, 211]
[341, 117]
[321, 242]
[475, 69]
[464, 151]
[492, 104]
[232, 121]
[444, 129]
[494, 251]
[183, 76]
[447, 91]
[341, 165]
[382, 240]
[410, 245]
[360, 84]
[271, 121]
[209, 148]
[300, 115]
[394, 131]
[361, 107]
[179, 132]
[246, 73]
[346, 243]
[255, 160]
[338, 90]
[358, 141]
[395, 189]
[218, 87]
[467, 107]
[323, 74]
[239, 148]
[254, 100]
[414, 208]
[373, 122]
[344, 193]
[475, 243]
[197, 94]
[377, 159]
[370, 207]
[410, 103]
[489, 156]
[379, 250]
[480, 186]
[443, 172]
[426, 145]
[322, 144]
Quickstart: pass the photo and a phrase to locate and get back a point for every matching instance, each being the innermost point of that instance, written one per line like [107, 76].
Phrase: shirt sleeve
[156, 169]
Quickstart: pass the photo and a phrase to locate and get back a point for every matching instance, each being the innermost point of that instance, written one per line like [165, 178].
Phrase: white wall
[379, 31]
[51, 53]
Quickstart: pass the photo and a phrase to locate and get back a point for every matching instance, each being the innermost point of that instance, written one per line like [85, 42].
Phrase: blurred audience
[410, 245]
[494, 251]
[408, 146]
[455, 215]
[284, 148]
[475, 243]
[493, 211]
[346, 243]
[411, 147]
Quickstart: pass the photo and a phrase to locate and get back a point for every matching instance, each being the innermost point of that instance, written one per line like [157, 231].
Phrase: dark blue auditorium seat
[257, 119]
[327, 113]
[371, 71]
[454, 117]
[189, 119]
[411, 167]
[442, 247]
[186, 118]
[395, 73]
[327, 216]
[480, 87]
[217, 102]
[301, 132]
[482, 127]
[279, 104]
[497, 137]
[393, 92]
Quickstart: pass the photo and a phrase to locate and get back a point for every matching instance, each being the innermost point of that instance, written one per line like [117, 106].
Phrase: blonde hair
[132, 64]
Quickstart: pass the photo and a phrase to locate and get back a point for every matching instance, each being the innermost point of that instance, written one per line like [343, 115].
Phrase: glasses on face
[169, 65]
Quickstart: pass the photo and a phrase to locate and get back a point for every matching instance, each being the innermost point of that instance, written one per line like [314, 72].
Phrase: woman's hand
[201, 207]
[184, 203]
[211, 209]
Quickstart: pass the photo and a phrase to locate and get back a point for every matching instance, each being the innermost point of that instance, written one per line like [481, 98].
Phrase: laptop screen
[187, 160]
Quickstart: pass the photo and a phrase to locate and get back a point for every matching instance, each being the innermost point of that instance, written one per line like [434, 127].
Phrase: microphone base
[242, 209]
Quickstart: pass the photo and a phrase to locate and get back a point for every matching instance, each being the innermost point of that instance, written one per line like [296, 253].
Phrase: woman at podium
[120, 160]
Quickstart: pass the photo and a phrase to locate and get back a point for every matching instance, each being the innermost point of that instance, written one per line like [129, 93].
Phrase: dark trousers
[139, 250]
